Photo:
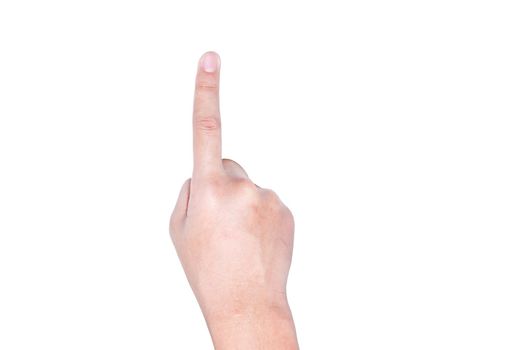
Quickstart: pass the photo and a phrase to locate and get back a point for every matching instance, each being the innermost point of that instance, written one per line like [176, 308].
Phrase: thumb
[180, 210]
[234, 169]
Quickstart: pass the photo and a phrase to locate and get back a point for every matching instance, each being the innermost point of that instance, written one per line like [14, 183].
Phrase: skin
[234, 239]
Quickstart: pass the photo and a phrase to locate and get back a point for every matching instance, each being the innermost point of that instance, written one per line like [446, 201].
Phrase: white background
[392, 129]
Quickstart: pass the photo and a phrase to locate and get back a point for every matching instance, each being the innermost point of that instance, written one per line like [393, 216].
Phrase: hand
[234, 239]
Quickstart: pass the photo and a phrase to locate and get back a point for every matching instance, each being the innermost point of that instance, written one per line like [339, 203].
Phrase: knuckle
[245, 185]
[247, 190]
[207, 123]
[272, 197]
[289, 216]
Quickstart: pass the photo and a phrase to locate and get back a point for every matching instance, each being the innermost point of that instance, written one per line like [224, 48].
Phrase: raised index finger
[207, 143]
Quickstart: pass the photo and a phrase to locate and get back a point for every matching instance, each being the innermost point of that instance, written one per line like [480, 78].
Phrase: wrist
[253, 327]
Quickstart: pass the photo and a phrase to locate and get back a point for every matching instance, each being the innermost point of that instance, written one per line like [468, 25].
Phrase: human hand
[234, 239]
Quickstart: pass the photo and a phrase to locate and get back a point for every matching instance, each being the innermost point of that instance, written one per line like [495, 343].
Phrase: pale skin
[234, 239]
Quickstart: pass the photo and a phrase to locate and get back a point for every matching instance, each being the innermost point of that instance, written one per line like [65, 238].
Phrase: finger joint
[208, 123]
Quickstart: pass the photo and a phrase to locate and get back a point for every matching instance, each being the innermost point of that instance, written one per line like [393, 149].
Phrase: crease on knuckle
[206, 86]
[208, 124]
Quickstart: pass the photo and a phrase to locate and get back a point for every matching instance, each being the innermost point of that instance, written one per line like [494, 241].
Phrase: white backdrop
[393, 130]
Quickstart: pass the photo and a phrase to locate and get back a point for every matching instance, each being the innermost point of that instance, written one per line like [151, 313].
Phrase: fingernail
[210, 62]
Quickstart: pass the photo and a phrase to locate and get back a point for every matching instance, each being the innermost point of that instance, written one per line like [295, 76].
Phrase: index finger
[207, 143]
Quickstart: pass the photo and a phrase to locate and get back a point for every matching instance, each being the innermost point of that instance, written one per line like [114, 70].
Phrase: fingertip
[210, 62]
